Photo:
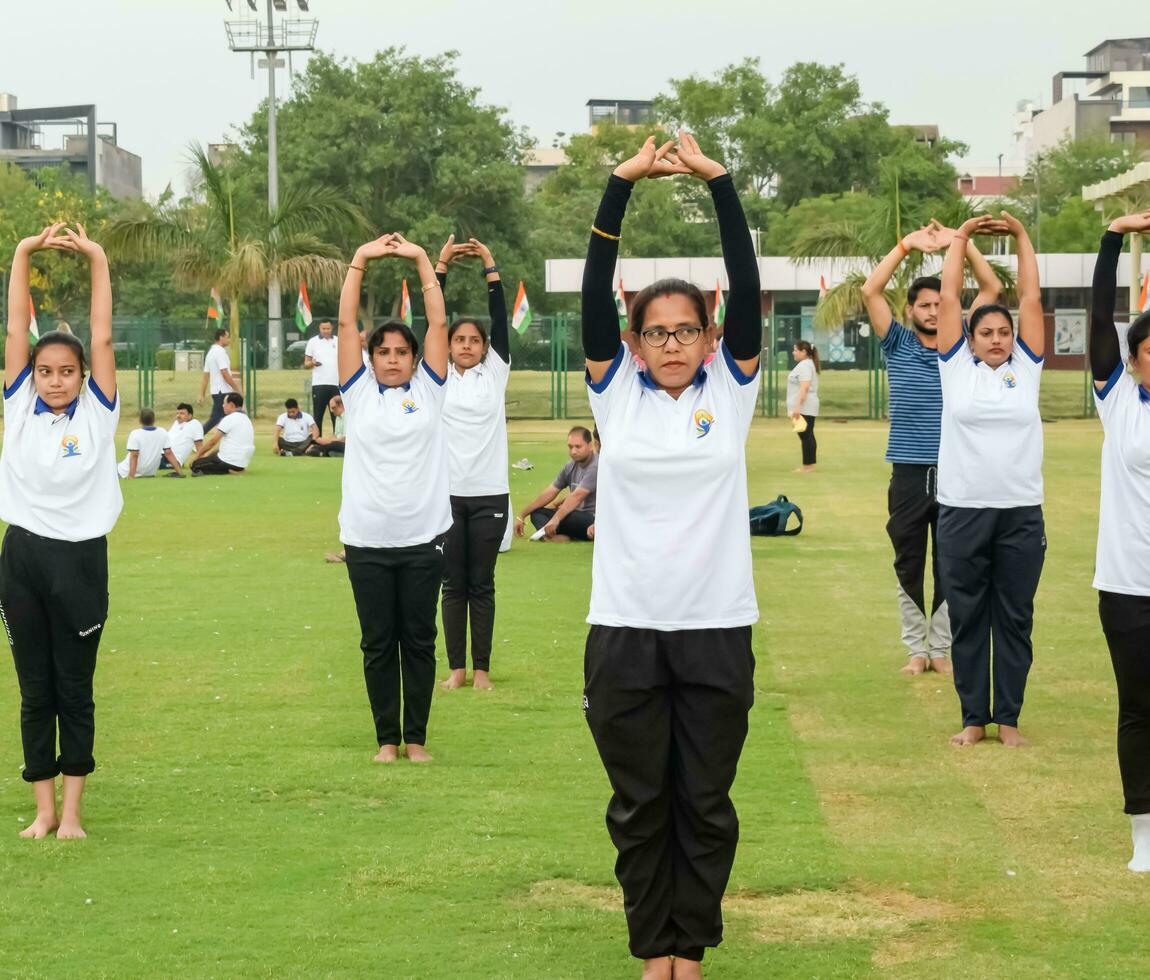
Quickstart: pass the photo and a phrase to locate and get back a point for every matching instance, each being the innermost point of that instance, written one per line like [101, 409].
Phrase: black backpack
[771, 519]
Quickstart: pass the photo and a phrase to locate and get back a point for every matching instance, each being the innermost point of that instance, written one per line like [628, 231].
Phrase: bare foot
[686, 969]
[803, 469]
[941, 665]
[482, 681]
[1010, 737]
[70, 829]
[41, 827]
[417, 753]
[914, 665]
[970, 735]
[659, 968]
[334, 558]
[387, 753]
[456, 679]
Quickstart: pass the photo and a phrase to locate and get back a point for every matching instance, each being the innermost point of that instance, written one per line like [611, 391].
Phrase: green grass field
[238, 828]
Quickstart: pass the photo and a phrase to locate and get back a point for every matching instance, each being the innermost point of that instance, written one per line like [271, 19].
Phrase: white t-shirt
[150, 442]
[323, 351]
[475, 420]
[58, 473]
[184, 436]
[297, 429]
[990, 454]
[395, 471]
[238, 445]
[1122, 561]
[672, 531]
[803, 371]
[215, 362]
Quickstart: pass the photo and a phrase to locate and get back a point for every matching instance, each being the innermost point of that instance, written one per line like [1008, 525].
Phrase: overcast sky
[162, 70]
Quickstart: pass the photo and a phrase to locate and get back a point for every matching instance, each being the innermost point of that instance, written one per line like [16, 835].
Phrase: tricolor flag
[215, 307]
[621, 306]
[1145, 288]
[34, 328]
[822, 287]
[302, 309]
[405, 305]
[521, 314]
[720, 305]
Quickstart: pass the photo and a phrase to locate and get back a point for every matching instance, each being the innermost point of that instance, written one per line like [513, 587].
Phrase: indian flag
[621, 306]
[405, 305]
[822, 287]
[302, 309]
[521, 314]
[1141, 299]
[34, 328]
[720, 305]
[215, 307]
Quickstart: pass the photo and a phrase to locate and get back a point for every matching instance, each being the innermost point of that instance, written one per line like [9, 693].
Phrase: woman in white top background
[1122, 565]
[396, 510]
[60, 496]
[668, 667]
[803, 400]
[991, 535]
[475, 420]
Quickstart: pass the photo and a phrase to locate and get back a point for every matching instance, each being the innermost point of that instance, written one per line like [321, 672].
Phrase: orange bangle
[905, 250]
[961, 238]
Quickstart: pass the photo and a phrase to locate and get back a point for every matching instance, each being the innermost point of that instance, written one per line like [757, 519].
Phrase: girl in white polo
[475, 420]
[396, 509]
[668, 666]
[1122, 565]
[991, 535]
[60, 496]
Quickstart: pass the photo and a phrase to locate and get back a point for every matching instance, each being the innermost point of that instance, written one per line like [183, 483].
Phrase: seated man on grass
[186, 434]
[231, 446]
[332, 445]
[295, 431]
[575, 514]
[148, 445]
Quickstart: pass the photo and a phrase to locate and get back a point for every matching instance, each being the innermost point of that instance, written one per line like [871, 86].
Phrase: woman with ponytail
[803, 399]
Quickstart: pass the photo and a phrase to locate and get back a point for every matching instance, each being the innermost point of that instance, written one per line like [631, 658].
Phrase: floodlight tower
[254, 36]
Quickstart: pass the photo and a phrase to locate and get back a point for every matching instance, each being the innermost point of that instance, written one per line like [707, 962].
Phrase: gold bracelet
[428, 286]
[603, 234]
[358, 268]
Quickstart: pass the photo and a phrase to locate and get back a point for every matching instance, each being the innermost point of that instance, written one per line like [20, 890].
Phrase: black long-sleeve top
[1105, 351]
[742, 328]
[496, 312]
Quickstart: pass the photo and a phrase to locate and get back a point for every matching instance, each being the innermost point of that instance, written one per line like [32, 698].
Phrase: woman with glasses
[668, 664]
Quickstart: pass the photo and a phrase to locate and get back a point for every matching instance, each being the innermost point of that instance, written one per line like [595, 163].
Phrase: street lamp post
[253, 36]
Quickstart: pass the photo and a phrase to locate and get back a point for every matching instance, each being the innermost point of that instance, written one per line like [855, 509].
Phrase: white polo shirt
[215, 362]
[990, 454]
[238, 445]
[58, 472]
[1122, 559]
[324, 352]
[395, 471]
[150, 442]
[297, 429]
[184, 436]
[672, 531]
[475, 420]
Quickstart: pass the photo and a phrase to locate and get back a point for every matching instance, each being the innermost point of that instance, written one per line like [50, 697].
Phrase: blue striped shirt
[915, 397]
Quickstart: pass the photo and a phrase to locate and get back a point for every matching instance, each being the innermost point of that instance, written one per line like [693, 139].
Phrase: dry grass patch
[559, 893]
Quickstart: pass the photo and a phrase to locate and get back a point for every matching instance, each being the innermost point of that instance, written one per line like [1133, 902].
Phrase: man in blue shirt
[915, 426]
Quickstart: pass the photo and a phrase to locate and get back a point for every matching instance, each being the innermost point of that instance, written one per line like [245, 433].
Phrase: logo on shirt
[409, 407]
[703, 422]
[70, 445]
[1009, 380]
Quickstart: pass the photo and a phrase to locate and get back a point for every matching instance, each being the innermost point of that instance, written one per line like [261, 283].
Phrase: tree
[227, 239]
[414, 149]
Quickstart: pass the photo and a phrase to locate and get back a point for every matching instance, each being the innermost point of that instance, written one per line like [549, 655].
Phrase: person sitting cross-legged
[231, 446]
[575, 514]
[148, 445]
[186, 435]
[334, 444]
[295, 431]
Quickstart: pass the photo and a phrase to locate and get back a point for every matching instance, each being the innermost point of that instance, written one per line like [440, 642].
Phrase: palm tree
[866, 242]
[228, 239]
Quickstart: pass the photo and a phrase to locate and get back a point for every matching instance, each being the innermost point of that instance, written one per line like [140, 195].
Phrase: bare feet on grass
[1011, 737]
[914, 665]
[417, 753]
[686, 969]
[660, 968]
[41, 827]
[798, 469]
[387, 753]
[481, 681]
[970, 735]
[70, 829]
[456, 679]
[941, 665]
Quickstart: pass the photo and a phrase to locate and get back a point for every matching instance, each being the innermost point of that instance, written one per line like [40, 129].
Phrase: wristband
[489, 269]
[358, 268]
[603, 234]
[428, 286]
[961, 238]
[905, 250]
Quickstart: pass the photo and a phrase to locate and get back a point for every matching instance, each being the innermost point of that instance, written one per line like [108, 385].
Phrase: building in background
[91, 149]
[622, 112]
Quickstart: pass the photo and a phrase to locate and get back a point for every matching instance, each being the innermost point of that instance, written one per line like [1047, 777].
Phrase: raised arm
[953, 275]
[496, 302]
[349, 348]
[1105, 350]
[100, 353]
[1031, 320]
[435, 346]
[874, 289]
[989, 286]
[17, 349]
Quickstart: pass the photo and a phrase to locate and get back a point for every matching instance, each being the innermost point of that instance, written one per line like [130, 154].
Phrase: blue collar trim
[647, 382]
[42, 407]
[384, 389]
[1143, 394]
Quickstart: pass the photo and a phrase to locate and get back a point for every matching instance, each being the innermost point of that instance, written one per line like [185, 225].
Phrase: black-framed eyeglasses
[658, 337]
